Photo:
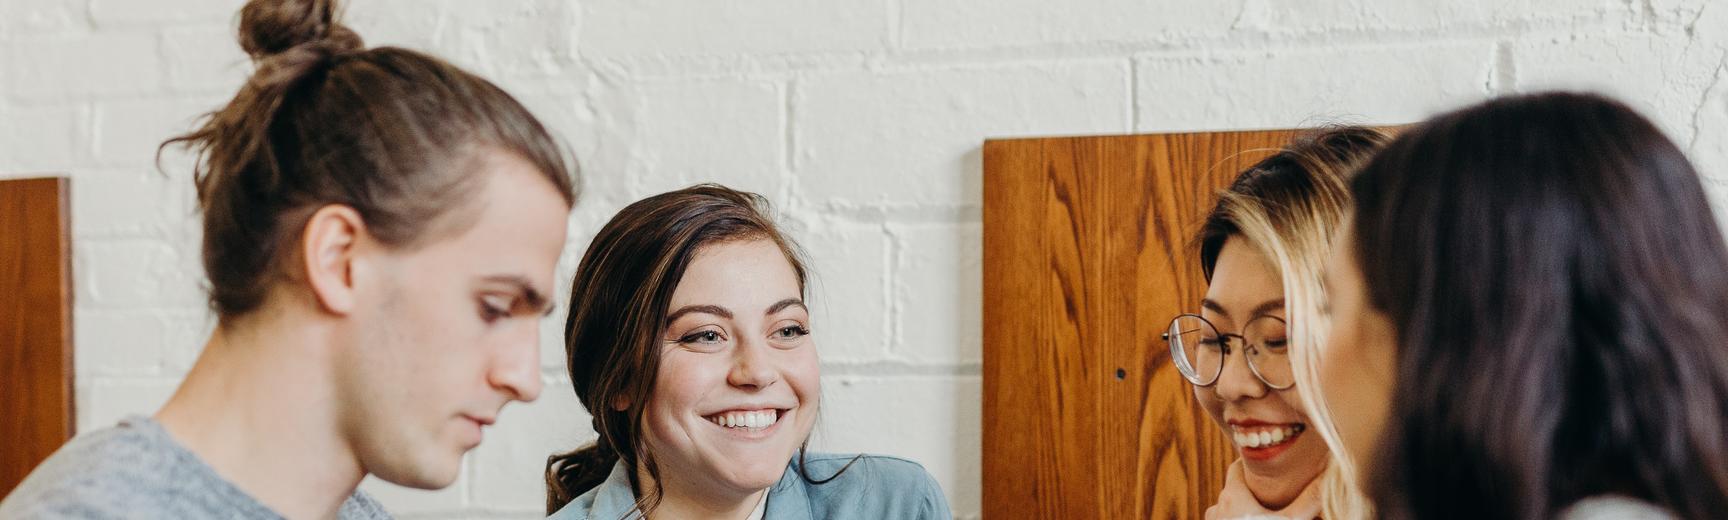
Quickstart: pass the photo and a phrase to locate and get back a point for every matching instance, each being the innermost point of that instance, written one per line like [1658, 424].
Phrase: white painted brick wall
[80, 66]
[1369, 18]
[727, 131]
[52, 134]
[951, 24]
[848, 287]
[1658, 74]
[27, 16]
[627, 29]
[891, 138]
[1267, 88]
[128, 13]
[861, 119]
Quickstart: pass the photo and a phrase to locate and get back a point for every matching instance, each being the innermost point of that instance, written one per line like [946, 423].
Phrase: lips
[753, 420]
[1260, 440]
[479, 424]
[1265, 436]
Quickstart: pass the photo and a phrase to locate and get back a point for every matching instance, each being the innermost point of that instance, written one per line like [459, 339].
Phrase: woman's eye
[1279, 343]
[791, 332]
[706, 336]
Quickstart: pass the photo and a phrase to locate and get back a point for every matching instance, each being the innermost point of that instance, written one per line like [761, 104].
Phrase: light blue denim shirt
[875, 487]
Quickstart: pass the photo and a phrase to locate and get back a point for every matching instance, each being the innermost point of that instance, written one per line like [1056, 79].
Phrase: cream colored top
[1612, 507]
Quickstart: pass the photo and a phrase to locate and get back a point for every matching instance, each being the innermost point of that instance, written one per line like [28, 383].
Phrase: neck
[683, 501]
[259, 408]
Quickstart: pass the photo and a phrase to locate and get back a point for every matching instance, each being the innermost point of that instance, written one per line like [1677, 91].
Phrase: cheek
[1208, 402]
[1292, 400]
[677, 390]
[1350, 389]
[1333, 383]
[443, 334]
[684, 379]
[1339, 344]
[442, 319]
[1314, 450]
[804, 374]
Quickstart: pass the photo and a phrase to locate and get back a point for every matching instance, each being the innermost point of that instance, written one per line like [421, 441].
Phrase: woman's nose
[751, 366]
[1238, 381]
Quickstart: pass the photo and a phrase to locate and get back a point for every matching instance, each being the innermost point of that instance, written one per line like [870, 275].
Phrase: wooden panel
[35, 325]
[1087, 256]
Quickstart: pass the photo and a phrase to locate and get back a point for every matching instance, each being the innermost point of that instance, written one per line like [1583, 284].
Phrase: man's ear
[328, 246]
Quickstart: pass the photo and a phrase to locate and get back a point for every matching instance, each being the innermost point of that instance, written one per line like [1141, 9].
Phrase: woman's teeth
[746, 420]
[1264, 436]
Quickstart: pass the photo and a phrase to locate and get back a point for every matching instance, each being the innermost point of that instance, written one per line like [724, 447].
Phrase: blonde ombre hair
[1289, 207]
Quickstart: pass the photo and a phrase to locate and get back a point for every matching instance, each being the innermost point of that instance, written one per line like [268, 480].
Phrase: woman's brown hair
[1558, 287]
[618, 303]
[397, 135]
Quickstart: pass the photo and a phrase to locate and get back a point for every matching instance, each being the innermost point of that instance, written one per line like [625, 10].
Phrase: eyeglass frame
[1224, 340]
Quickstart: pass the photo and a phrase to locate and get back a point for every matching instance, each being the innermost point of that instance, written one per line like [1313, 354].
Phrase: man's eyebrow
[531, 297]
[705, 309]
[783, 304]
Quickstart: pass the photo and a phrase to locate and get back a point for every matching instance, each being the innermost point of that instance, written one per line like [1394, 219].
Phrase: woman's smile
[749, 424]
[1263, 441]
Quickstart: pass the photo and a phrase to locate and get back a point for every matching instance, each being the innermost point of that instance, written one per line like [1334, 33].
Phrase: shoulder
[885, 470]
[868, 486]
[613, 499]
[361, 506]
[104, 473]
[579, 508]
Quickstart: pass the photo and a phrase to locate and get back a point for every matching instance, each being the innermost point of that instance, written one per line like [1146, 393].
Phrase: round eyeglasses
[1199, 350]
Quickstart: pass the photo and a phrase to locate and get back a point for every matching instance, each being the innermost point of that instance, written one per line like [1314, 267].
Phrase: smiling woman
[1248, 351]
[690, 345]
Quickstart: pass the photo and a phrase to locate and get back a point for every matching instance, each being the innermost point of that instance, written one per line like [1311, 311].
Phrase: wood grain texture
[1087, 256]
[36, 414]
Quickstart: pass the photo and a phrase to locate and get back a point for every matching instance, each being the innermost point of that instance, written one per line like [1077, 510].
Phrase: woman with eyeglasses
[1246, 349]
[1530, 307]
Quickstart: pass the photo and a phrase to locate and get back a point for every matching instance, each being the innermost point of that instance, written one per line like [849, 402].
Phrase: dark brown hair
[618, 303]
[1558, 288]
[395, 134]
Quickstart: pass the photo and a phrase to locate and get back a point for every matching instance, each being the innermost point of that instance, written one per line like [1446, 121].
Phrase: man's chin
[428, 475]
[427, 482]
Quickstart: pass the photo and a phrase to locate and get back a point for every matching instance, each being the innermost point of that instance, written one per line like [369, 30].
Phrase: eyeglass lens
[1199, 349]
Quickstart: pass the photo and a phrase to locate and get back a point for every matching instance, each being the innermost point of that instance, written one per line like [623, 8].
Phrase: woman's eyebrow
[1262, 308]
[783, 304]
[1267, 306]
[1208, 303]
[705, 309]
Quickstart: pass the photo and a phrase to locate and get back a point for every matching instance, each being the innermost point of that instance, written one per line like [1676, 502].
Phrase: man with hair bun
[381, 231]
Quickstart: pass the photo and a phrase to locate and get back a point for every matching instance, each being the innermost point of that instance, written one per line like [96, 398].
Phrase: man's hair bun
[272, 27]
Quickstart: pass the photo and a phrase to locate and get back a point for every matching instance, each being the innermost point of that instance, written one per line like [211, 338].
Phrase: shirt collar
[615, 496]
